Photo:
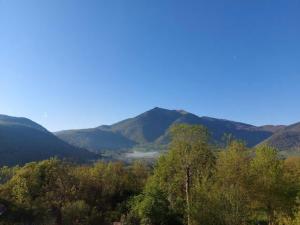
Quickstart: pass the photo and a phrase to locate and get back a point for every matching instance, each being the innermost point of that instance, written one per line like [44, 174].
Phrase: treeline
[193, 184]
[56, 192]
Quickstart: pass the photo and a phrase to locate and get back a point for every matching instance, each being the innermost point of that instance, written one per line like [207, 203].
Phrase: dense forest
[194, 183]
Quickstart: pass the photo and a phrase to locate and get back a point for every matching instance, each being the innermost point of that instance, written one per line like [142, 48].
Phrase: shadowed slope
[152, 127]
[287, 139]
[22, 141]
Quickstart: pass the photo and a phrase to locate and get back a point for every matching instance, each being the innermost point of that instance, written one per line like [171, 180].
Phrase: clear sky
[82, 63]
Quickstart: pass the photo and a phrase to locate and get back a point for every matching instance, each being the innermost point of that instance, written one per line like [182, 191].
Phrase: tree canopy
[193, 183]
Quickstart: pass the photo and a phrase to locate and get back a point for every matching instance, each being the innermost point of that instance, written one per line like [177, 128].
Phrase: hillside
[22, 141]
[95, 139]
[152, 127]
[273, 128]
[287, 139]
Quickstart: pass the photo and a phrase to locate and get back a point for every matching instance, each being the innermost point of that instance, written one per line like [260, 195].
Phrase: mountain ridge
[286, 139]
[151, 127]
[23, 140]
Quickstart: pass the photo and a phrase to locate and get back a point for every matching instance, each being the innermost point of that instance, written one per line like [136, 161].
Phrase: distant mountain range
[286, 139]
[151, 129]
[22, 141]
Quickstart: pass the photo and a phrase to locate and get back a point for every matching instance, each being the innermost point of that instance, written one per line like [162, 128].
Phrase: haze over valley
[22, 140]
[147, 112]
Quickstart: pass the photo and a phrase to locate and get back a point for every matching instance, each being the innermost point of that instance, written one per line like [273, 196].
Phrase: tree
[267, 182]
[192, 155]
[75, 213]
[42, 188]
[106, 188]
[188, 161]
[297, 218]
[232, 181]
[224, 198]
[153, 207]
[139, 172]
[6, 173]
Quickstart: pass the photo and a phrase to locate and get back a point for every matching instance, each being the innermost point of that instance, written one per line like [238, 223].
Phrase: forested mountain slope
[152, 127]
[287, 139]
[22, 141]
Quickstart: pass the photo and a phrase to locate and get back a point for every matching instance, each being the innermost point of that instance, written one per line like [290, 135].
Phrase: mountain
[22, 141]
[286, 139]
[272, 128]
[95, 139]
[151, 128]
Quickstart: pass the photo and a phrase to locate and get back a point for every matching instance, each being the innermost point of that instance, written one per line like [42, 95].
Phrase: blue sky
[82, 63]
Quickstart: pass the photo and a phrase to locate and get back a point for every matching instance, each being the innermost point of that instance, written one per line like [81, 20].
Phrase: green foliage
[76, 212]
[190, 184]
[270, 190]
[187, 163]
[56, 192]
[6, 173]
[297, 218]
[232, 184]
[231, 187]
[153, 207]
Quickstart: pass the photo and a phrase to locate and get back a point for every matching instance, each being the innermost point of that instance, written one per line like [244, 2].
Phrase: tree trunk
[187, 194]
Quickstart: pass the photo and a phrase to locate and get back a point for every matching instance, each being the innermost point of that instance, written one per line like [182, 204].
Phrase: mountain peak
[152, 127]
[23, 140]
[158, 109]
[20, 121]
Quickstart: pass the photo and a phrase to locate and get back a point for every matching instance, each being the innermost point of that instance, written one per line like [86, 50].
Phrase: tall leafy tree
[188, 161]
[192, 155]
[232, 181]
[268, 184]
